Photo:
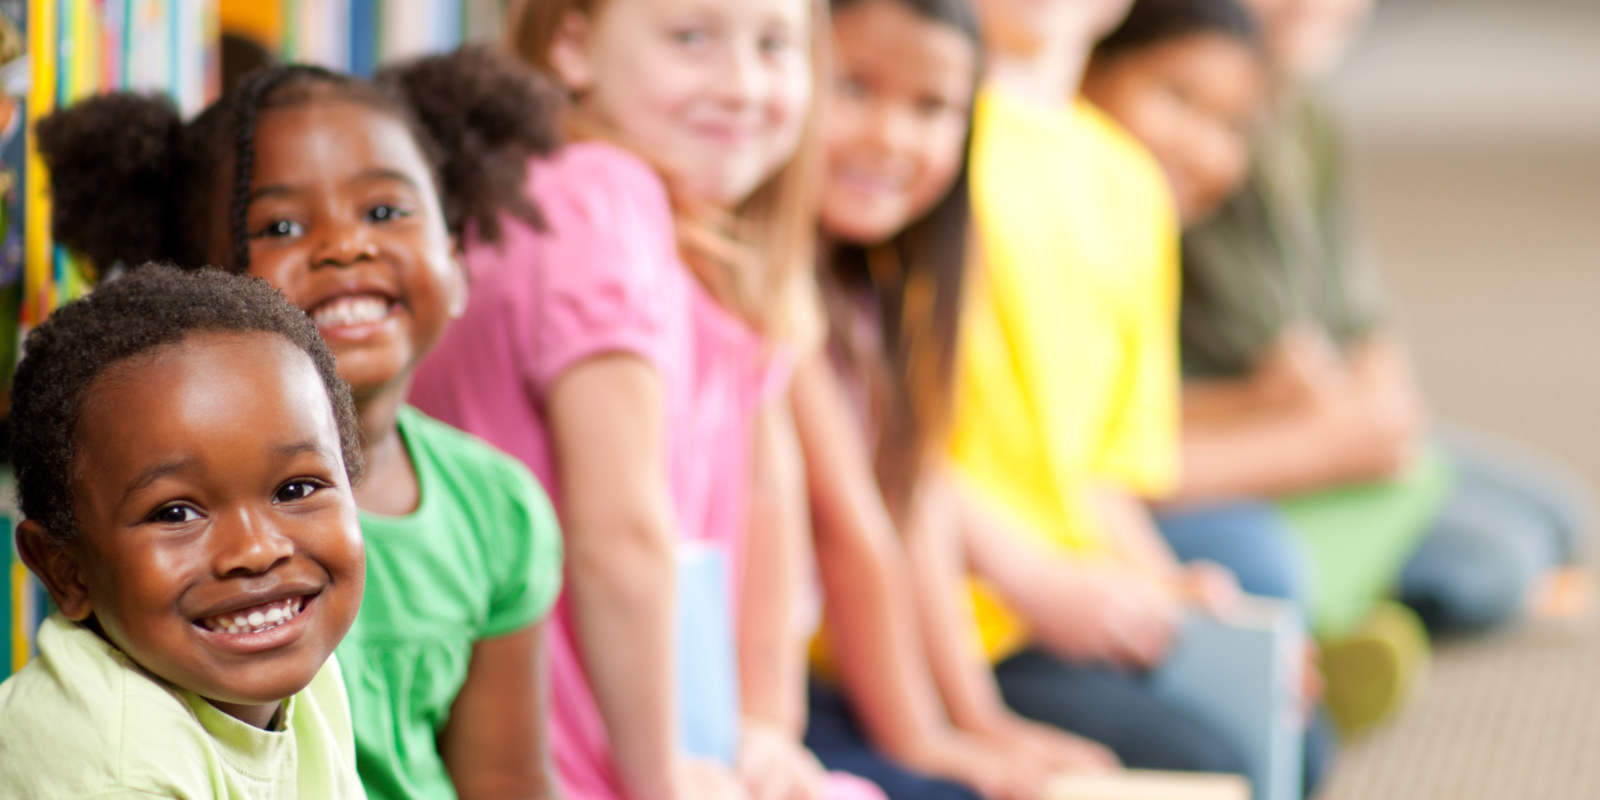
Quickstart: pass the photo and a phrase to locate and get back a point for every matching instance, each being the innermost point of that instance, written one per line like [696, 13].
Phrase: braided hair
[133, 183]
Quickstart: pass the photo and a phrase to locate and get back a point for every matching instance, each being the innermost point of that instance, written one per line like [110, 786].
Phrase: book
[1241, 676]
[705, 659]
[1148, 785]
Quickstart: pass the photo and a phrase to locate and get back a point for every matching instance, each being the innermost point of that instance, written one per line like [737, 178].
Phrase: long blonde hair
[757, 259]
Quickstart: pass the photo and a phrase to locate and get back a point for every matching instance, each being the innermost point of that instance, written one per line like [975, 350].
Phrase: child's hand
[1209, 587]
[695, 779]
[774, 766]
[1365, 434]
[1112, 614]
[1060, 751]
[992, 770]
[1302, 368]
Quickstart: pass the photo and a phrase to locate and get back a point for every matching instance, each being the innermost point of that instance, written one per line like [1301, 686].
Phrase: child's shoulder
[470, 464]
[86, 708]
[592, 176]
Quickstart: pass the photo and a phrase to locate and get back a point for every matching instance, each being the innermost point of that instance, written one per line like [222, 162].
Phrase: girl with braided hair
[332, 189]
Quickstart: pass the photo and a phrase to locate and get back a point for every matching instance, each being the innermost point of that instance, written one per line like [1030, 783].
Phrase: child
[1065, 419]
[633, 376]
[1300, 385]
[894, 218]
[184, 453]
[634, 355]
[335, 193]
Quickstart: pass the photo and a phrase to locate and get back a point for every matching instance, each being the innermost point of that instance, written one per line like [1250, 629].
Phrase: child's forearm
[934, 547]
[772, 656]
[495, 744]
[606, 423]
[864, 577]
[1272, 454]
[1222, 399]
[621, 592]
[1127, 519]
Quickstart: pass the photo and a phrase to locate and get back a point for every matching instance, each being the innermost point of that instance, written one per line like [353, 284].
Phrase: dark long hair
[916, 280]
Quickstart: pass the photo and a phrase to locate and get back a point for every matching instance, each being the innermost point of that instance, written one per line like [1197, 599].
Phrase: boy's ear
[57, 567]
[569, 52]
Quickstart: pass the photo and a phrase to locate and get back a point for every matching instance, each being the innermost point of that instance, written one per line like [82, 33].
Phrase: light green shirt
[84, 721]
[479, 558]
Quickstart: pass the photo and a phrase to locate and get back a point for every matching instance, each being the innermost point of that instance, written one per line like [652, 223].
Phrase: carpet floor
[1476, 132]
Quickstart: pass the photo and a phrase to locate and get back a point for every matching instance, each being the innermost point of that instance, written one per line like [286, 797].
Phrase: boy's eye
[281, 228]
[296, 490]
[175, 514]
[932, 106]
[851, 87]
[386, 213]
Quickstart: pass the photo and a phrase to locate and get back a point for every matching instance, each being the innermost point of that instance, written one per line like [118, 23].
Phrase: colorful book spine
[366, 20]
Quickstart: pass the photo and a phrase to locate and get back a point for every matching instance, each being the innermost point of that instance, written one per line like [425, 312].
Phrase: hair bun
[112, 163]
[488, 115]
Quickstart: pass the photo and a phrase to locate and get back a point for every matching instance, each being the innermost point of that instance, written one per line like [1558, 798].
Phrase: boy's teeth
[362, 309]
[255, 620]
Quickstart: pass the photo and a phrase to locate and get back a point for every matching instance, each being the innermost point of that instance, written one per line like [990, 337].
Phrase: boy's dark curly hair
[152, 307]
[1151, 22]
[132, 183]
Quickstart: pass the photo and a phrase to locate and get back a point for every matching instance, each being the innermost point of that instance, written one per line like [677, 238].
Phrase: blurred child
[331, 189]
[1187, 78]
[184, 453]
[1066, 402]
[1298, 382]
[894, 218]
[629, 351]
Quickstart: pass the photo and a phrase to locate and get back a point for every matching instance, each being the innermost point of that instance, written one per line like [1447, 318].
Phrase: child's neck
[264, 717]
[1047, 77]
[390, 487]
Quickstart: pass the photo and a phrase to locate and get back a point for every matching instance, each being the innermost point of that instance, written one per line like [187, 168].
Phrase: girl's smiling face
[218, 544]
[1193, 101]
[897, 121]
[714, 92]
[344, 217]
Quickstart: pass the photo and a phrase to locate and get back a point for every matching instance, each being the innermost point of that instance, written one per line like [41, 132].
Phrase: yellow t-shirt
[83, 720]
[1068, 360]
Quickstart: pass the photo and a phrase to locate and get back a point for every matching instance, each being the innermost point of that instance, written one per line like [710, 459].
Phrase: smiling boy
[184, 453]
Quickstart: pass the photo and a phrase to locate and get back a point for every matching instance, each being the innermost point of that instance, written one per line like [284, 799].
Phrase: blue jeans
[1252, 540]
[1510, 519]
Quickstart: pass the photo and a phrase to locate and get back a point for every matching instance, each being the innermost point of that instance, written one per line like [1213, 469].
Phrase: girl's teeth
[258, 619]
[348, 311]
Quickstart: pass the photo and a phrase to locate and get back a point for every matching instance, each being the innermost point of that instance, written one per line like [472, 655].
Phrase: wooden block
[1145, 785]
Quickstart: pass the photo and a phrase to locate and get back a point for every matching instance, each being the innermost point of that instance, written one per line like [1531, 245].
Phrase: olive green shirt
[1281, 251]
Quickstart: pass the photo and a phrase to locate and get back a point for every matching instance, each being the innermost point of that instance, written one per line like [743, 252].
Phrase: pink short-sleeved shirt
[604, 277]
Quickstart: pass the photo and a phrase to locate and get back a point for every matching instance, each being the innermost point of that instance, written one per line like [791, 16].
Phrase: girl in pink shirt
[628, 351]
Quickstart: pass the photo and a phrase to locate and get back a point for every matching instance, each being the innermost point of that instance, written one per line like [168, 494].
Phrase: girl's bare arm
[495, 744]
[606, 427]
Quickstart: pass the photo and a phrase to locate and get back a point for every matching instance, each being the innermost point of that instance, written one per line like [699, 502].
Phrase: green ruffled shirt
[84, 721]
[479, 558]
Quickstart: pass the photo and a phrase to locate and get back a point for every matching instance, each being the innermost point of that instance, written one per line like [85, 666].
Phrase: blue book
[705, 659]
[1241, 676]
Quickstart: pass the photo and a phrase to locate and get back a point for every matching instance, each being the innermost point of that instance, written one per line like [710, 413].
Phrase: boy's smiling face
[210, 491]
[345, 219]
